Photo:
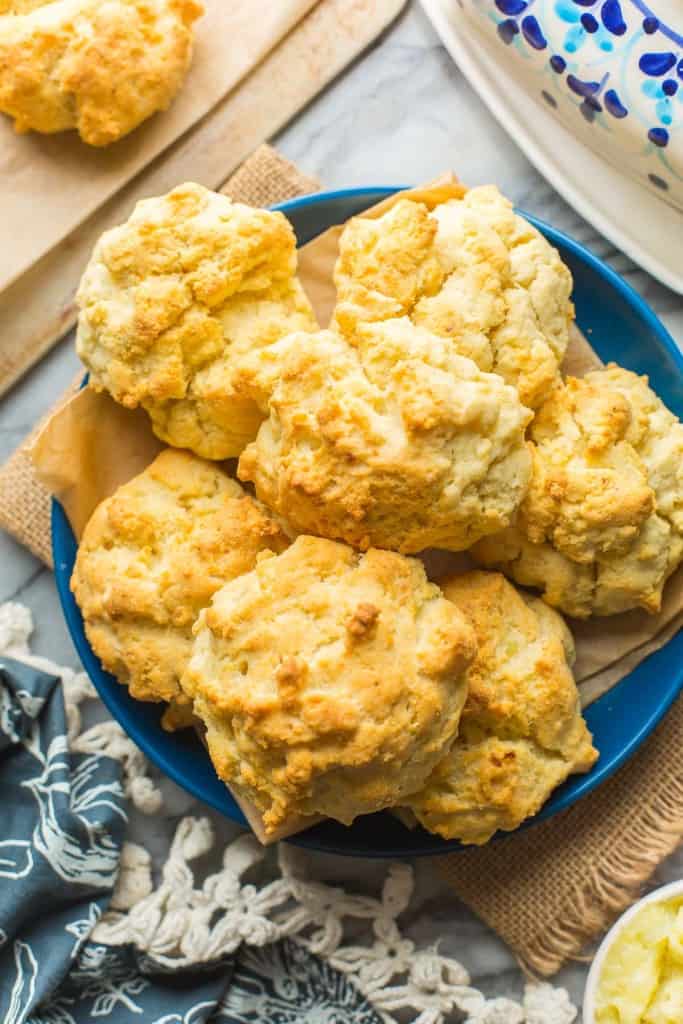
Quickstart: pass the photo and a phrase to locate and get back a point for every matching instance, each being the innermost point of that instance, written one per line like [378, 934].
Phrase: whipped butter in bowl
[637, 974]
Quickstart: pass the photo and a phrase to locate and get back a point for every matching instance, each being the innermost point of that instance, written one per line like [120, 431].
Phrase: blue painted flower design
[601, 20]
[663, 100]
[589, 93]
[518, 19]
[612, 61]
[664, 86]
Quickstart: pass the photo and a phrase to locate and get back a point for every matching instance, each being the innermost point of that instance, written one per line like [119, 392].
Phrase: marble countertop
[402, 113]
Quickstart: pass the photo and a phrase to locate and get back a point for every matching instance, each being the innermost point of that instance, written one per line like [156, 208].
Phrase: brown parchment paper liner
[91, 445]
[253, 815]
[230, 40]
[255, 820]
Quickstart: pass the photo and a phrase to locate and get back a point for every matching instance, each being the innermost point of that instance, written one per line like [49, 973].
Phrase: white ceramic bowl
[611, 71]
[665, 892]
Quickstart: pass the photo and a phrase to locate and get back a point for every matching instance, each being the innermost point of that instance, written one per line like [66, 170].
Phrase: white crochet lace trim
[181, 923]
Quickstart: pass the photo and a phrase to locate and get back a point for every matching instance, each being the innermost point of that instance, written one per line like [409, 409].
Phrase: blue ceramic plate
[621, 327]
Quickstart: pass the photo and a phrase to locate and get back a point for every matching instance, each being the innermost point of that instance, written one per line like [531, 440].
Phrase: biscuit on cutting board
[99, 66]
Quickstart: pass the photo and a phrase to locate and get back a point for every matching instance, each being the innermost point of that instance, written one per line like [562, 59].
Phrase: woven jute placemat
[548, 890]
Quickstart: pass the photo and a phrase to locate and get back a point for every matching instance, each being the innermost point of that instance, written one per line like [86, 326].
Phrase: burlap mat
[548, 890]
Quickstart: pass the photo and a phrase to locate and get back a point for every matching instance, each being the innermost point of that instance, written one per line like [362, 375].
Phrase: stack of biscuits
[278, 601]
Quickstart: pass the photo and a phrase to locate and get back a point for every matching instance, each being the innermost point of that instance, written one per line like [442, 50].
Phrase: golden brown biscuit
[385, 265]
[657, 436]
[521, 730]
[393, 442]
[471, 271]
[101, 68]
[152, 556]
[22, 6]
[330, 682]
[173, 301]
[601, 527]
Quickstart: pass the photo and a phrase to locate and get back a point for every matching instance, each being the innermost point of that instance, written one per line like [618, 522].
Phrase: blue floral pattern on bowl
[611, 71]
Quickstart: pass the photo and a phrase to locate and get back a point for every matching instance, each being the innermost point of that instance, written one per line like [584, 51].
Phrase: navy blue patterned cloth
[62, 826]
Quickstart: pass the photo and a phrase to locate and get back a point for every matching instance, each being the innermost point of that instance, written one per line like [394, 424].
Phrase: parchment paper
[91, 445]
[230, 40]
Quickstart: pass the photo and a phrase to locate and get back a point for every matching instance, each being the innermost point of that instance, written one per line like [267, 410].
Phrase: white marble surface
[403, 113]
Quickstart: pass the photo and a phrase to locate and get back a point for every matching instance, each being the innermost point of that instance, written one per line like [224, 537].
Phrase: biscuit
[22, 6]
[471, 271]
[601, 527]
[393, 442]
[385, 265]
[521, 731]
[152, 556]
[330, 682]
[175, 299]
[101, 68]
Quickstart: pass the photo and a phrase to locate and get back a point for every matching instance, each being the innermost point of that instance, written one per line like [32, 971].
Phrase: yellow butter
[641, 980]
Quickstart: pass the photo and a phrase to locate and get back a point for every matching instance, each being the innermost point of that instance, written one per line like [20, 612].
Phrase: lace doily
[183, 922]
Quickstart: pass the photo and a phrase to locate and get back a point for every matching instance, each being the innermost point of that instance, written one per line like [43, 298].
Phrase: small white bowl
[665, 892]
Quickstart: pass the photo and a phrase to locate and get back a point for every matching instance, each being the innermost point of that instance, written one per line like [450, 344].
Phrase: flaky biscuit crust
[394, 441]
[330, 682]
[471, 271]
[521, 730]
[601, 528]
[101, 68]
[152, 556]
[175, 300]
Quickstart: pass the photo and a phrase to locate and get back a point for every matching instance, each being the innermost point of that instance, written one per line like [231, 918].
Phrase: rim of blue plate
[331, 837]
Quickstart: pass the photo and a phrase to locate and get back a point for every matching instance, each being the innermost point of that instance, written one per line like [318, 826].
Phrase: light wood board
[52, 183]
[39, 307]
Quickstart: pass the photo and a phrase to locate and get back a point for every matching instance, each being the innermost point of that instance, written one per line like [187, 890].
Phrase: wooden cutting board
[39, 308]
[71, 179]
